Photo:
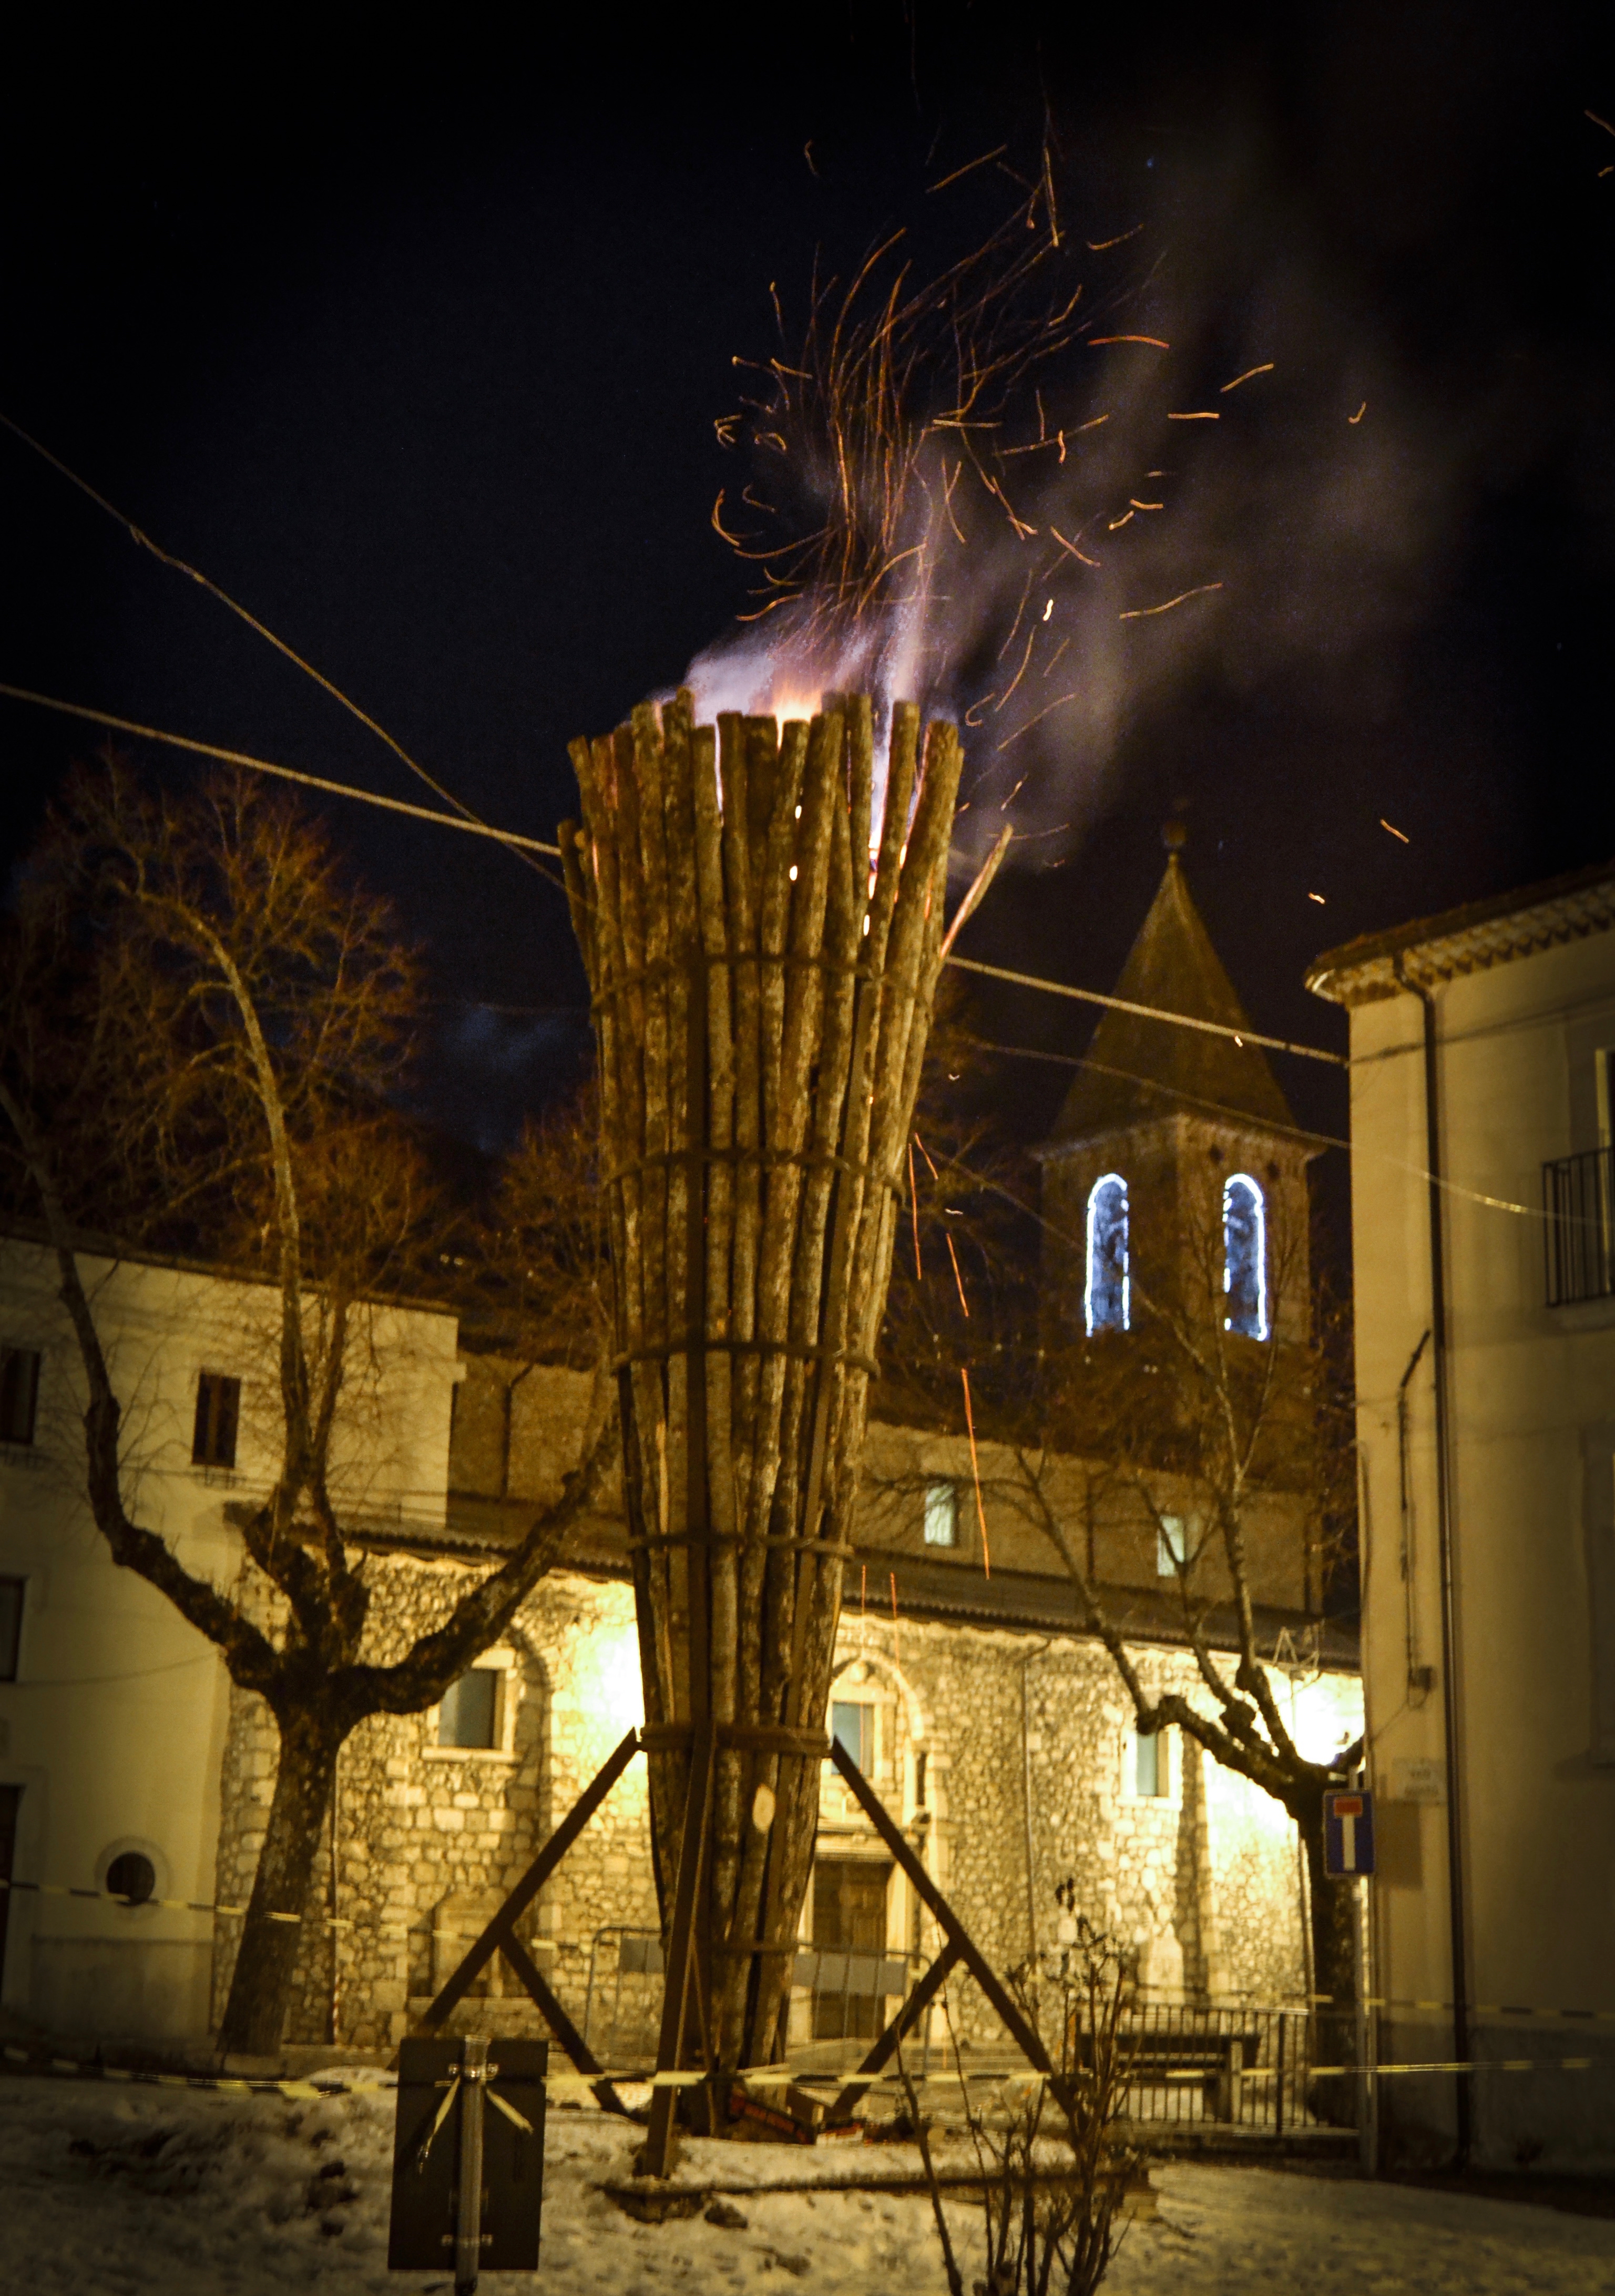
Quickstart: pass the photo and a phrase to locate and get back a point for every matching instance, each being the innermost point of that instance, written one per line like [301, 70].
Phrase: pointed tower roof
[1143, 1068]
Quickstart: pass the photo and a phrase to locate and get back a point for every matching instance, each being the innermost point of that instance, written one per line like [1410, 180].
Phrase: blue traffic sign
[1347, 1834]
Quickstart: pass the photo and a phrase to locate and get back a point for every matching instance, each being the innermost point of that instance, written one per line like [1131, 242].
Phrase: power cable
[143, 541]
[1151, 1011]
[464, 821]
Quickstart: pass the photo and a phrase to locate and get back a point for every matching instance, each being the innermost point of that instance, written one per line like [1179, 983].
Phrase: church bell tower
[1175, 1177]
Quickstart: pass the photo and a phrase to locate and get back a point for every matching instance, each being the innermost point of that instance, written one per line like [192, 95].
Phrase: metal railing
[1579, 1237]
[1244, 2067]
[623, 2034]
[1234, 2066]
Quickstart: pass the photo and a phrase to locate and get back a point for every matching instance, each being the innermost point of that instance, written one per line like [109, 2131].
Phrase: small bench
[1152, 2055]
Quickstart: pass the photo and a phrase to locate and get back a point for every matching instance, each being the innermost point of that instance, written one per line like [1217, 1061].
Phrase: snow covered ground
[197, 2193]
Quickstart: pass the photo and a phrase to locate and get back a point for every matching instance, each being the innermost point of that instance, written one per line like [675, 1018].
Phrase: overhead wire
[468, 823]
[143, 541]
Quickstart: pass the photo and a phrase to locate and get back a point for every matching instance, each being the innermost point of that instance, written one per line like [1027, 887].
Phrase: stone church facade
[999, 1735]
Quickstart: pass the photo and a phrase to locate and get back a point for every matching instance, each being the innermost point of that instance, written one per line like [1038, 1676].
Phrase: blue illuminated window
[1106, 1298]
[1245, 1257]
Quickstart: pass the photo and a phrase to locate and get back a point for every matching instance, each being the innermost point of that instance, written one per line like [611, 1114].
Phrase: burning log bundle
[762, 997]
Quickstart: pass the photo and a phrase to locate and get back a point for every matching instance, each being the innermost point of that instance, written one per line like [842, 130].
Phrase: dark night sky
[422, 361]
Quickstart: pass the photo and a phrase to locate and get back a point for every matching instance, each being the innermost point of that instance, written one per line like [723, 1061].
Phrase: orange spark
[958, 1279]
[1154, 342]
[1395, 832]
[1031, 640]
[1318, 898]
[1204, 415]
[1361, 412]
[1142, 613]
[1142, 506]
[1042, 714]
[1266, 368]
[975, 1469]
[1072, 546]
[1098, 246]
[969, 164]
[1115, 522]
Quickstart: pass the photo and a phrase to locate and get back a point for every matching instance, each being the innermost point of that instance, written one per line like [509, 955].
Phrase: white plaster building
[1482, 1050]
[113, 1710]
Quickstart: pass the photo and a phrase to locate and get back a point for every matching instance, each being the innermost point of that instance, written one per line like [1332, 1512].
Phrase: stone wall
[429, 1839]
[1200, 1883]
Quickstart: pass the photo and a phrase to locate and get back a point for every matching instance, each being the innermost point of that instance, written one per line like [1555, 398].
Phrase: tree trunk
[1331, 1907]
[259, 1990]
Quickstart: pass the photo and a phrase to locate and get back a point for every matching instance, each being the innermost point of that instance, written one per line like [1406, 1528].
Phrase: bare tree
[202, 1023]
[545, 1256]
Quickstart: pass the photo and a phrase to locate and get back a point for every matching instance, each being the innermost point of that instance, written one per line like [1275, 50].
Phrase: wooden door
[848, 1918]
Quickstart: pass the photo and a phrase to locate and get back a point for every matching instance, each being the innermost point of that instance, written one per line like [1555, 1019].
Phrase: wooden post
[680, 1954]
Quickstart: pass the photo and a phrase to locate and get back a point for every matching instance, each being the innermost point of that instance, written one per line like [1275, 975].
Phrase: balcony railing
[1579, 1197]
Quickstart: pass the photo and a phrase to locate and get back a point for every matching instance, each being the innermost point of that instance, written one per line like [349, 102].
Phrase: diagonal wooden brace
[571, 2039]
[500, 1935]
[681, 1949]
[1021, 2033]
[907, 2017]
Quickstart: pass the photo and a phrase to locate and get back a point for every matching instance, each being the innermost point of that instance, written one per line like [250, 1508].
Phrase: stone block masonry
[429, 1838]
[1199, 1881]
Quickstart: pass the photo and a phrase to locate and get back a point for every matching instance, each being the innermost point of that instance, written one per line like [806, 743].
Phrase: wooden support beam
[681, 1943]
[1021, 2033]
[550, 2009]
[907, 2017]
[503, 1926]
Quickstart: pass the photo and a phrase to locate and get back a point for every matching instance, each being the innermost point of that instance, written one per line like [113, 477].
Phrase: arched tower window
[1106, 1297]
[1245, 1256]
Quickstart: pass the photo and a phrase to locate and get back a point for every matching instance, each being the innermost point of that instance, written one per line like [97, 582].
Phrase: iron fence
[1243, 2067]
[1230, 2066]
[1578, 1232]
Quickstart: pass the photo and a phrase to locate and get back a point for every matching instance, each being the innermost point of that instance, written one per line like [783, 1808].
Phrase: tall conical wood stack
[762, 998]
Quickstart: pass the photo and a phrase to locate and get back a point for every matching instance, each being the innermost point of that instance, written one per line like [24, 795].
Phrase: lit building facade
[1482, 1050]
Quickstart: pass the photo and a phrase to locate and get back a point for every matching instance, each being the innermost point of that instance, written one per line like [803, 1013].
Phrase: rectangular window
[852, 1726]
[1150, 1765]
[941, 1514]
[218, 1404]
[469, 1716]
[19, 1393]
[11, 1626]
[1171, 1546]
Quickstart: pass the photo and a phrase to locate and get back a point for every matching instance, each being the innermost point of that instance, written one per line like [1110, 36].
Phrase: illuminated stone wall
[1198, 1885]
[429, 1839]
